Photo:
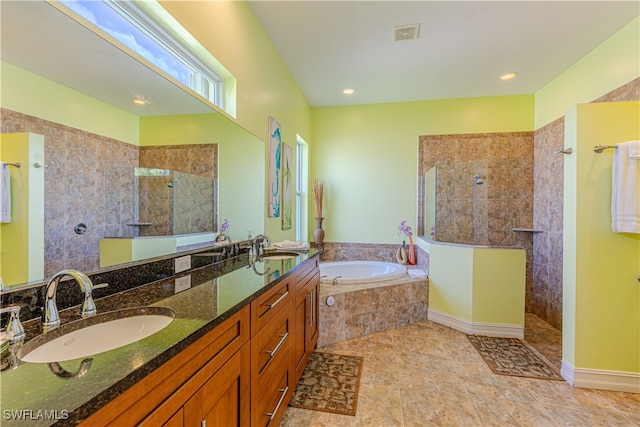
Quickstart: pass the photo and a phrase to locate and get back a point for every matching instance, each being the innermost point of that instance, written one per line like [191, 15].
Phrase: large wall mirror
[198, 163]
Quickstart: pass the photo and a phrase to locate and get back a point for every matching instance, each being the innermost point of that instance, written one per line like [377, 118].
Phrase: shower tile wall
[504, 201]
[482, 214]
[76, 190]
[194, 205]
[546, 298]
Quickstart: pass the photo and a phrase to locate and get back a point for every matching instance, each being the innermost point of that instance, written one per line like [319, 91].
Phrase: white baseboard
[476, 328]
[600, 379]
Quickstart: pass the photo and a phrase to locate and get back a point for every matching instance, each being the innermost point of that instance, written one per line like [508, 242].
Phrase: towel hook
[564, 151]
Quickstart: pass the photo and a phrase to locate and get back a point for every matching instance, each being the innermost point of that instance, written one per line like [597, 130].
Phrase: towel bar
[599, 148]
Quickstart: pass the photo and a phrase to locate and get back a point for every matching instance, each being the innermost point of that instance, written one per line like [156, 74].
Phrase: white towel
[625, 192]
[417, 273]
[634, 149]
[292, 246]
[5, 193]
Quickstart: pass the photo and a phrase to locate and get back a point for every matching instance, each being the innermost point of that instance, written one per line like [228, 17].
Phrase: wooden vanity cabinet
[242, 373]
[221, 357]
[305, 316]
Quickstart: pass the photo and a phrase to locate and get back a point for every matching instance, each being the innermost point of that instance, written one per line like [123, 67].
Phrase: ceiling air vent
[406, 32]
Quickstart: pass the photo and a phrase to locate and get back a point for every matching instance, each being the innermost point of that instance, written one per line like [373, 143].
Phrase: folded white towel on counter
[5, 193]
[417, 273]
[625, 191]
[292, 246]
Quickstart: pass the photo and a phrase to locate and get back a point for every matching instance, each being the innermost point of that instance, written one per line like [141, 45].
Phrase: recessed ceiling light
[140, 101]
[348, 91]
[508, 76]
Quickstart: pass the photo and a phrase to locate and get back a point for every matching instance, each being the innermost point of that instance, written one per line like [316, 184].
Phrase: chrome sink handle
[14, 327]
[51, 318]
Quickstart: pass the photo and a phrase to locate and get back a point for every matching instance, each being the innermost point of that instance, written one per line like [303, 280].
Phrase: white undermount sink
[279, 255]
[97, 334]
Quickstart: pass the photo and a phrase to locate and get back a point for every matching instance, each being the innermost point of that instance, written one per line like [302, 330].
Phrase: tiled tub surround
[364, 309]
[213, 298]
[77, 191]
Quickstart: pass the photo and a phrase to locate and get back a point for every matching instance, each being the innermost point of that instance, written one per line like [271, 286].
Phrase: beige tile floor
[426, 374]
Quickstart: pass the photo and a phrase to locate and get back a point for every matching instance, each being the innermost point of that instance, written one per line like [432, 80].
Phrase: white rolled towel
[291, 245]
[5, 193]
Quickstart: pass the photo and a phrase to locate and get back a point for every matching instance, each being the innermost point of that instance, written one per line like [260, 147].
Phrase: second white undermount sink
[279, 255]
[97, 334]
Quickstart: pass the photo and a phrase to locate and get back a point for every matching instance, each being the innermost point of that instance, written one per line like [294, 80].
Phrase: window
[151, 32]
[301, 183]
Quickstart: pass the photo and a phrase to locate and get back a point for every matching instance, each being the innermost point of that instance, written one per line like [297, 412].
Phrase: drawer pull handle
[273, 304]
[275, 411]
[282, 340]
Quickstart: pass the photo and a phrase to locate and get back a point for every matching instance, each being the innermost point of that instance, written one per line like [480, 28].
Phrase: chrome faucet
[14, 329]
[257, 244]
[51, 318]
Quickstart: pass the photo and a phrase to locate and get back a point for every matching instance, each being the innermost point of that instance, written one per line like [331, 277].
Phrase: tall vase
[318, 233]
[401, 254]
[412, 252]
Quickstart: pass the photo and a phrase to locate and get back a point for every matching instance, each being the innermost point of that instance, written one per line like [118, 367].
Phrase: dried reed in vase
[318, 188]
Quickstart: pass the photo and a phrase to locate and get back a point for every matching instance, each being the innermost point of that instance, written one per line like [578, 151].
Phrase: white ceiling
[463, 47]
[331, 45]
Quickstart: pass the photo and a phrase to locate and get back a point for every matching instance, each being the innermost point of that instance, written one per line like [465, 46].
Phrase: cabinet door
[301, 314]
[305, 324]
[224, 400]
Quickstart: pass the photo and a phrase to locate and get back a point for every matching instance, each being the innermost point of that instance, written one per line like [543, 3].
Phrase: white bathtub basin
[355, 272]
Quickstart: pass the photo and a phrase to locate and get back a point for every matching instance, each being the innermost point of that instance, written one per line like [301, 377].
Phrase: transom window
[150, 31]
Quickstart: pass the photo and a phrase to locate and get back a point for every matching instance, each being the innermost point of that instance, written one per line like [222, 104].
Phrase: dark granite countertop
[31, 394]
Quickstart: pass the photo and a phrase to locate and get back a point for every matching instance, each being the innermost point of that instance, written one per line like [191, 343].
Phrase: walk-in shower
[158, 202]
[477, 202]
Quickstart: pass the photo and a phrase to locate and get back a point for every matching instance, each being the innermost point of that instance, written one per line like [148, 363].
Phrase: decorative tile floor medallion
[329, 383]
[511, 356]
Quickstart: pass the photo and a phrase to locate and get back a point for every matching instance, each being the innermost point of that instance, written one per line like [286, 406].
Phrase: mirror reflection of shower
[158, 202]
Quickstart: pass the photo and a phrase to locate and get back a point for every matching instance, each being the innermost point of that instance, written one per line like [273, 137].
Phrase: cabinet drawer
[272, 343]
[267, 305]
[270, 401]
[307, 272]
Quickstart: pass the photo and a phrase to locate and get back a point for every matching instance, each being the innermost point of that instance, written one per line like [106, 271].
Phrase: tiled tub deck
[364, 309]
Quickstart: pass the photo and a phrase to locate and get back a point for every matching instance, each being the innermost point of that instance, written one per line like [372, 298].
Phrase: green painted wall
[265, 87]
[451, 283]
[600, 284]
[610, 65]
[498, 298]
[367, 157]
[22, 239]
[31, 94]
[241, 163]
[463, 283]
